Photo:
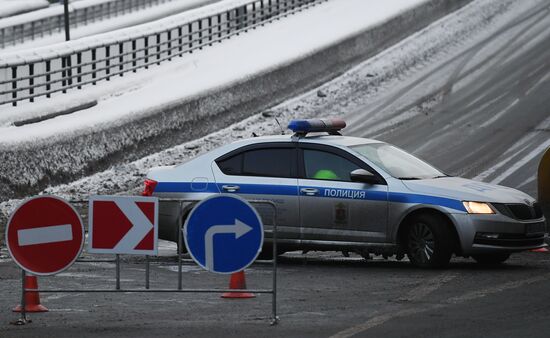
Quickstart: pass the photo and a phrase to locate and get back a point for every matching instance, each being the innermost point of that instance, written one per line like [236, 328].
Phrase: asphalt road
[320, 295]
[481, 113]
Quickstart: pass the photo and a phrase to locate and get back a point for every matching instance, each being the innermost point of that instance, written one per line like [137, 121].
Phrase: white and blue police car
[340, 193]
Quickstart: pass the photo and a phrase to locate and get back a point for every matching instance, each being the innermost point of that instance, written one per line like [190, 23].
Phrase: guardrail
[35, 76]
[52, 21]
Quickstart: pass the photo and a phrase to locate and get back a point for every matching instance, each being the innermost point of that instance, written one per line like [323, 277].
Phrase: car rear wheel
[429, 241]
[491, 259]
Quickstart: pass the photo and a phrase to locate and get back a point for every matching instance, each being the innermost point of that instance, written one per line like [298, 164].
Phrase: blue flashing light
[316, 125]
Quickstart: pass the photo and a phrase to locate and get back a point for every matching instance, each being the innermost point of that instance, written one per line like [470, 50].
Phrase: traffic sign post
[224, 234]
[44, 235]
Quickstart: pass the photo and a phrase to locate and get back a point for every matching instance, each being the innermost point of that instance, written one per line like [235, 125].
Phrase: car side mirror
[364, 176]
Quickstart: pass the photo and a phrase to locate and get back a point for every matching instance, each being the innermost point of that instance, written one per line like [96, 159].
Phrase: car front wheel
[429, 241]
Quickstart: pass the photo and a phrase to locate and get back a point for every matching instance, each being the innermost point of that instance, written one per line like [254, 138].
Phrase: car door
[264, 172]
[332, 207]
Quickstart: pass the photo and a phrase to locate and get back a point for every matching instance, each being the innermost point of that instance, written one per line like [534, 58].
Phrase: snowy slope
[134, 96]
[13, 7]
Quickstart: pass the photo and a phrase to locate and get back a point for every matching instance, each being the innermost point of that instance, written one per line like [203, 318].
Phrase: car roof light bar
[303, 127]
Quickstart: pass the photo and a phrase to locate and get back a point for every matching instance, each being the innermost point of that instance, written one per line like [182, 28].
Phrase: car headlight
[478, 207]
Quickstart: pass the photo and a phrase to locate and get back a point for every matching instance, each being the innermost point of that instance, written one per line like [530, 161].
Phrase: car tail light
[149, 188]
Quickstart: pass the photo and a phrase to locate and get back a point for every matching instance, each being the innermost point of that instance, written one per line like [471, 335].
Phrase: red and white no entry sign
[123, 225]
[44, 235]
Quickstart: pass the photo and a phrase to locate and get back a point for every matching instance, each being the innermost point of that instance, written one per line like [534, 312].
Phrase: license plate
[535, 228]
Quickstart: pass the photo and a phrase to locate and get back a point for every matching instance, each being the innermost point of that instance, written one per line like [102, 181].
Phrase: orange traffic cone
[32, 298]
[238, 282]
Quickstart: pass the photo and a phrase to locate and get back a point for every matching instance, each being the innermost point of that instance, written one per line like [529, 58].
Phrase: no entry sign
[123, 225]
[44, 235]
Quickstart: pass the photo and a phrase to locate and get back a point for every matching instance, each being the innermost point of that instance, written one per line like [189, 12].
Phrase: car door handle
[309, 191]
[230, 188]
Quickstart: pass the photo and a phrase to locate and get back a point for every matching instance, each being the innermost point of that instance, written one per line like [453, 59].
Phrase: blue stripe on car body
[289, 190]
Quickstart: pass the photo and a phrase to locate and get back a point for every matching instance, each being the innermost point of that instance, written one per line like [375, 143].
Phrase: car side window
[321, 165]
[232, 165]
[268, 162]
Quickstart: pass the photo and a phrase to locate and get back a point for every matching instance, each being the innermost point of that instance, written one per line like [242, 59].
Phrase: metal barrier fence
[179, 289]
[33, 76]
[53, 22]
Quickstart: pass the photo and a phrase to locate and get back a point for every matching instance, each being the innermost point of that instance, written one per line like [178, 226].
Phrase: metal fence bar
[94, 74]
[79, 69]
[48, 78]
[79, 16]
[130, 58]
[14, 84]
[107, 60]
[117, 283]
[150, 290]
[168, 42]
[180, 248]
[275, 318]
[31, 81]
[66, 69]
[23, 318]
[147, 272]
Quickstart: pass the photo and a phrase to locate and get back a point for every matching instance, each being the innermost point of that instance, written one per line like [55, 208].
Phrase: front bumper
[481, 234]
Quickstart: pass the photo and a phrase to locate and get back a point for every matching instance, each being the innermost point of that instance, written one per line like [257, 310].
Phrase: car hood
[467, 190]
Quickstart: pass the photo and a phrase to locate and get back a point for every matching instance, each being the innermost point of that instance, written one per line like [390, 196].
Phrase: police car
[340, 193]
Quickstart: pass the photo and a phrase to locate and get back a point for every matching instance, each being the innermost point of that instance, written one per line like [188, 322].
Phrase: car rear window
[270, 162]
[232, 165]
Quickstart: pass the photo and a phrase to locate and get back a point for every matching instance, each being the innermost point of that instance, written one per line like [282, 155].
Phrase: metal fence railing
[50, 21]
[118, 288]
[36, 76]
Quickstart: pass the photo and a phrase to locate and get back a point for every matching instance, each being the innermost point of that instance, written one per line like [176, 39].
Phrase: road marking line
[44, 235]
[520, 146]
[527, 181]
[536, 85]
[520, 163]
[381, 319]
[500, 114]
[427, 287]
[496, 289]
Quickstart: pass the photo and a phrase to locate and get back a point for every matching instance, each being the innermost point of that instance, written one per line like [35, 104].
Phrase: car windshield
[397, 162]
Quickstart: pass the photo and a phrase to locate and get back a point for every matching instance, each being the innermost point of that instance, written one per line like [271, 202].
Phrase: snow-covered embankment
[260, 69]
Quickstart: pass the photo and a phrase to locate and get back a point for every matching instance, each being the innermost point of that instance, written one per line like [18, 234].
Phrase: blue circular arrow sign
[224, 234]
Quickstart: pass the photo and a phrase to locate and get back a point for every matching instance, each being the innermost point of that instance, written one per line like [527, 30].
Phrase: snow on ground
[167, 22]
[110, 24]
[134, 95]
[381, 73]
[13, 7]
